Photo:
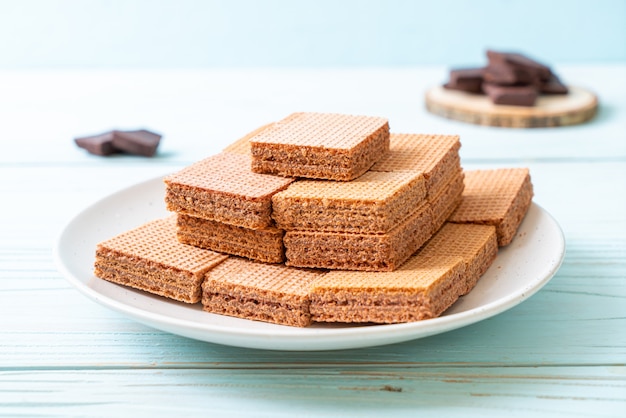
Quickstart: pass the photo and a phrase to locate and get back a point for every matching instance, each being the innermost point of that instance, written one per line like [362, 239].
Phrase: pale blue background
[43, 34]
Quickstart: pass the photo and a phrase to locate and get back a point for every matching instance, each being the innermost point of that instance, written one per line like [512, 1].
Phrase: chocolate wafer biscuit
[373, 203]
[263, 292]
[242, 145]
[366, 252]
[422, 288]
[436, 156]
[499, 197]
[476, 244]
[264, 244]
[320, 145]
[150, 258]
[444, 203]
[222, 188]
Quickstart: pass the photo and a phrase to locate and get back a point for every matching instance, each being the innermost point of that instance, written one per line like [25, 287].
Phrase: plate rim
[281, 337]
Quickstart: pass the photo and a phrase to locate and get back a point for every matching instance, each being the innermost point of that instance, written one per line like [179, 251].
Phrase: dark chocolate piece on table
[140, 142]
[511, 95]
[466, 79]
[101, 144]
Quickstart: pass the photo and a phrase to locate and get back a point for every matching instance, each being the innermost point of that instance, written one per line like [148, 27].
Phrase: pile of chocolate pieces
[508, 79]
[140, 142]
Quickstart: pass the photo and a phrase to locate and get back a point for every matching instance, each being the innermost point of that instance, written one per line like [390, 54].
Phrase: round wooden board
[578, 106]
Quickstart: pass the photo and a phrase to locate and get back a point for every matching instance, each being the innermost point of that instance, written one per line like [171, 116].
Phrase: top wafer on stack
[320, 145]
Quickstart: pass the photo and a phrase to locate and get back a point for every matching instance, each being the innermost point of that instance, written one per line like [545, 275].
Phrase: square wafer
[366, 252]
[373, 203]
[422, 288]
[242, 145]
[499, 197]
[262, 292]
[320, 145]
[263, 244]
[476, 244]
[436, 156]
[150, 258]
[222, 188]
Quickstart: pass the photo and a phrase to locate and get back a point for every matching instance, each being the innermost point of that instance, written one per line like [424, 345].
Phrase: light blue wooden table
[561, 353]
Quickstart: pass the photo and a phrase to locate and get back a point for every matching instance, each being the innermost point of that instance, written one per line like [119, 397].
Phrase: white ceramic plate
[519, 271]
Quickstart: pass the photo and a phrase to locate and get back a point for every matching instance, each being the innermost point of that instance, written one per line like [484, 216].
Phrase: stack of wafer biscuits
[447, 267]
[375, 222]
[437, 157]
[372, 223]
[222, 206]
[320, 145]
[371, 249]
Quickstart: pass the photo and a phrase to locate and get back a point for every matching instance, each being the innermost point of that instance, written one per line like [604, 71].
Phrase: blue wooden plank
[455, 391]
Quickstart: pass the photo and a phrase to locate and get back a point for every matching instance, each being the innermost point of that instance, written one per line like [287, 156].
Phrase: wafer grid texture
[320, 145]
[264, 244]
[449, 198]
[223, 188]
[320, 130]
[366, 252]
[150, 258]
[270, 293]
[433, 155]
[373, 203]
[416, 152]
[499, 197]
[422, 288]
[242, 145]
[228, 174]
[443, 176]
[307, 210]
[476, 244]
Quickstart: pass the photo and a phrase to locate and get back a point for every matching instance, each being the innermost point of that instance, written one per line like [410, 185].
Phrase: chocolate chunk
[553, 86]
[101, 144]
[503, 74]
[521, 62]
[466, 79]
[511, 95]
[510, 78]
[139, 142]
